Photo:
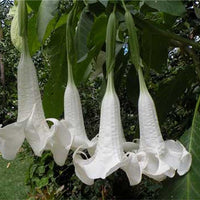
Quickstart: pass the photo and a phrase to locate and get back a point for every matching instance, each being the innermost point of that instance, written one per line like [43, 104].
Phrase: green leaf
[82, 69]
[54, 90]
[32, 170]
[171, 7]
[82, 34]
[62, 20]
[14, 31]
[187, 187]
[33, 41]
[98, 32]
[169, 91]
[41, 170]
[42, 182]
[34, 4]
[46, 13]
[154, 50]
[95, 43]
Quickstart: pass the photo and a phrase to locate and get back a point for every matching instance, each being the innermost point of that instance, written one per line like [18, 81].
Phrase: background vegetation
[169, 38]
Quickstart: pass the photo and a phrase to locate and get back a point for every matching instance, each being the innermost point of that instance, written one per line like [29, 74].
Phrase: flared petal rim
[132, 164]
[95, 167]
[11, 139]
[173, 157]
[37, 132]
[60, 142]
[133, 168]
[155, 168]
[177, 157]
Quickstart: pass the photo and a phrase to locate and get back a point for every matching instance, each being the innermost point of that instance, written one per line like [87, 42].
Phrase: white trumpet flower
[109, 155]
[31, 123]
[163, 157]
[74, 117]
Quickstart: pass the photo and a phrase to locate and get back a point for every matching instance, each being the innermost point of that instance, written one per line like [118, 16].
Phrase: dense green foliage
[166, 30]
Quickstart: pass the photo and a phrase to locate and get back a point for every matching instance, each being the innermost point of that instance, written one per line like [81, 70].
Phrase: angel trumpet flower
[74, 117]
[72, 104]
[109, 155]
[31, 123]
[163, 157]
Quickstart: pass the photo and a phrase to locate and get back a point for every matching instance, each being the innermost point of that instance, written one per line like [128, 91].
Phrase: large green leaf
[98, 32]
[187, 187]
[95, 42]
[171, 7]
[83, 29]
[169, 91]
[33, 42]
[46, 13]
[154, 50]
[54, 90]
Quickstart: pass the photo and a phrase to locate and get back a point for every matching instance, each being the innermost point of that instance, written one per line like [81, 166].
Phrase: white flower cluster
[108, 151]
[151, 156]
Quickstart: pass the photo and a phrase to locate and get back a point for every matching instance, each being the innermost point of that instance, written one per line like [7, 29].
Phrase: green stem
[143, 86]
[124, 5]
[69, 47]
[25, 48]
[110, 42]
[110, 83]
[70, 72]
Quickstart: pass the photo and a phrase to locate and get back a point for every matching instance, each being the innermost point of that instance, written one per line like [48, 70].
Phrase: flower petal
[98, 166]
[130, 146]
[28, 89]
[185, 163]
[37, 132]
[176, 156]
[133, 169]
[109, 155]
[11, 138]
[80, 172]
[60, 142]
[74, 116]
[150, 135]
[155, 168]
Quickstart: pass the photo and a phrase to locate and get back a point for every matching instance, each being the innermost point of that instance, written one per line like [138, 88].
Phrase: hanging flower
[109, 154]
[72, 104]
[163, 157]
[74, 118]
[31, 123]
